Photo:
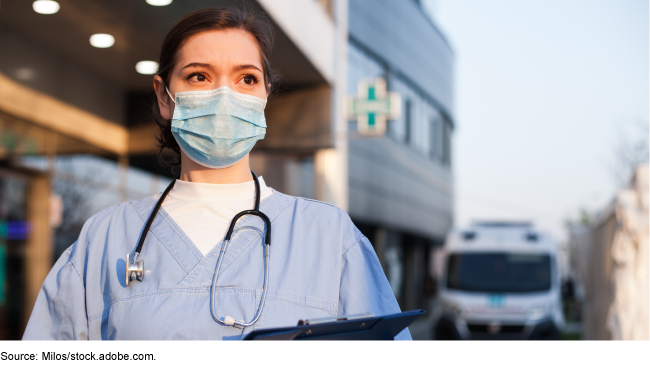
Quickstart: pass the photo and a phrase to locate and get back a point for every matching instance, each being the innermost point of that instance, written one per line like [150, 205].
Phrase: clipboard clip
[307, 322]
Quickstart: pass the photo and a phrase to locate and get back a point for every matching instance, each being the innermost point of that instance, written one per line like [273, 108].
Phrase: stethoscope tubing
[236, 323]
[224, 246]
[132, 267]
[153, 215]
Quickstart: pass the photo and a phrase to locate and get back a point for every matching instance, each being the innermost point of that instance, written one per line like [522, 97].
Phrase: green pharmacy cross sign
[373, 106]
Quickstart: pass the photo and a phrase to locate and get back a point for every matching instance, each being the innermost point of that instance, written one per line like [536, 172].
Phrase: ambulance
[498, 280]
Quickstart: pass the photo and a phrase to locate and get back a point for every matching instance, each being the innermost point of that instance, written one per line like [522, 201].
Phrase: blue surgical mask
[217, 128]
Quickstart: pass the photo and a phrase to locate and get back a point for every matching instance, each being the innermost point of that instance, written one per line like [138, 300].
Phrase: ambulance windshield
[499, 272]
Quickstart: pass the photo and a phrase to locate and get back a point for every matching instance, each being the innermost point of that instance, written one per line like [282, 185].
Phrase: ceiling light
[45, 6]
[146, 67]
[102, 40]
[25, 74]
[159, 2]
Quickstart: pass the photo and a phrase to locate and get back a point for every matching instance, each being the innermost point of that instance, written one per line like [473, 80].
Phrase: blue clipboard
[366, 329]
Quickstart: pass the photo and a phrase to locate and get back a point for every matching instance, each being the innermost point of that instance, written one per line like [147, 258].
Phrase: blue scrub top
[320, 266]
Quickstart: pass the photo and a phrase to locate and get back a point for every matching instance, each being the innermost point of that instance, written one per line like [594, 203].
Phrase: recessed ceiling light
[146, 67]
[102, 40]
[159, 2]
[45, 6]
[25, 74]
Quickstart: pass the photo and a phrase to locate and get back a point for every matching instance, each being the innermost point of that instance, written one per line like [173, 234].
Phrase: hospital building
[77, 136]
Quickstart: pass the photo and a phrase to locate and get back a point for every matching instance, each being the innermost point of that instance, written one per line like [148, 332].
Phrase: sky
[545, 92]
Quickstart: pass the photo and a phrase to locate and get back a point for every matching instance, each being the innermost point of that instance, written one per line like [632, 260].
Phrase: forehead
[221, 46]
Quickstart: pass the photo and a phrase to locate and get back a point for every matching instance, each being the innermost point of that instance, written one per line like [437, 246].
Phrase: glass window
[415, 126]
[446, 143]
[433, 135]
[499, 272]
[407, 121]
[14, 231]
[360, 67]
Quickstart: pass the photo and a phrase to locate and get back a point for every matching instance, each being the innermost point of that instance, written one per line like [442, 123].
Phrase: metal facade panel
[401, 34]
[383, 190]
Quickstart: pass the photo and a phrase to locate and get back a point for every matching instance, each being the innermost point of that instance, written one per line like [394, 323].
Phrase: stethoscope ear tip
[229, 321]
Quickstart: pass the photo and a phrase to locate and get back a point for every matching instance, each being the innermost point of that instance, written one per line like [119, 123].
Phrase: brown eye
[248, 80]
[200, 77]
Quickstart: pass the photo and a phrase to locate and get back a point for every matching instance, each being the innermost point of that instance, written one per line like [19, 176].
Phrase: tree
[630, 152]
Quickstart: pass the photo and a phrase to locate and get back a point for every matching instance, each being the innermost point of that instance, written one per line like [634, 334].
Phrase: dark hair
[246, 19]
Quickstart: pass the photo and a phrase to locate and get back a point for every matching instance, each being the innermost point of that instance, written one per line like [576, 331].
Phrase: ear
[164, 101]
[268, 92]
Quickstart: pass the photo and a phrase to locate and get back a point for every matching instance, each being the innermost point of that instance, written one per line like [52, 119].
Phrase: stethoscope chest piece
[134, 270]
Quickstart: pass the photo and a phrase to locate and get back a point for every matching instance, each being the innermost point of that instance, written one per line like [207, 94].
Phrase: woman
[211, 88]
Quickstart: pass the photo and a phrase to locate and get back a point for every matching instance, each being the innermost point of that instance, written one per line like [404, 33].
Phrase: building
[75, 126]
[401, 184]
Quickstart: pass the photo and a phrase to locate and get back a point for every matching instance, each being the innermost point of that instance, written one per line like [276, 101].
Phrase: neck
[235, 174]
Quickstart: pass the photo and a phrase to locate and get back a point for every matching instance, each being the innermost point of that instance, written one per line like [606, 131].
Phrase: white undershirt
[204, 211]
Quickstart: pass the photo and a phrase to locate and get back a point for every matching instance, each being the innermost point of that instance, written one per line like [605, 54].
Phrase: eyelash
[253, 76]
[197, 73]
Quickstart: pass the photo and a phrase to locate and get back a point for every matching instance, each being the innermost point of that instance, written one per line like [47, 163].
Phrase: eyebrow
[197, 64]
[207, 65]
[247, 67]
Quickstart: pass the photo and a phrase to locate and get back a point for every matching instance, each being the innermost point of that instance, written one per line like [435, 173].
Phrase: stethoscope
[135, 269]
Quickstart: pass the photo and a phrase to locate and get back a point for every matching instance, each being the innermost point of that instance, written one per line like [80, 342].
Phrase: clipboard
[365, 329]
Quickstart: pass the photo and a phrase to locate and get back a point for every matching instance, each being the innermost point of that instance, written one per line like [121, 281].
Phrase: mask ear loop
[170, 95]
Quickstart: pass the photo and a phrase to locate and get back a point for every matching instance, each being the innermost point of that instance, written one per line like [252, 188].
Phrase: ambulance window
[499, 272]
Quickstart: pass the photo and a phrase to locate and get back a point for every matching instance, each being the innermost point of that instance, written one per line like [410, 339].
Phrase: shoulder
[311, 207]
[115, 221]
[320, 206]
[324, 217]
[118, 212]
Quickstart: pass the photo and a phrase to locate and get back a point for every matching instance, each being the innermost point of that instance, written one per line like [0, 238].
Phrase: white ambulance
[498, 280]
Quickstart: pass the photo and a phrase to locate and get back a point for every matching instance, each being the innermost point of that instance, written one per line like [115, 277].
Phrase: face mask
[217, 128]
